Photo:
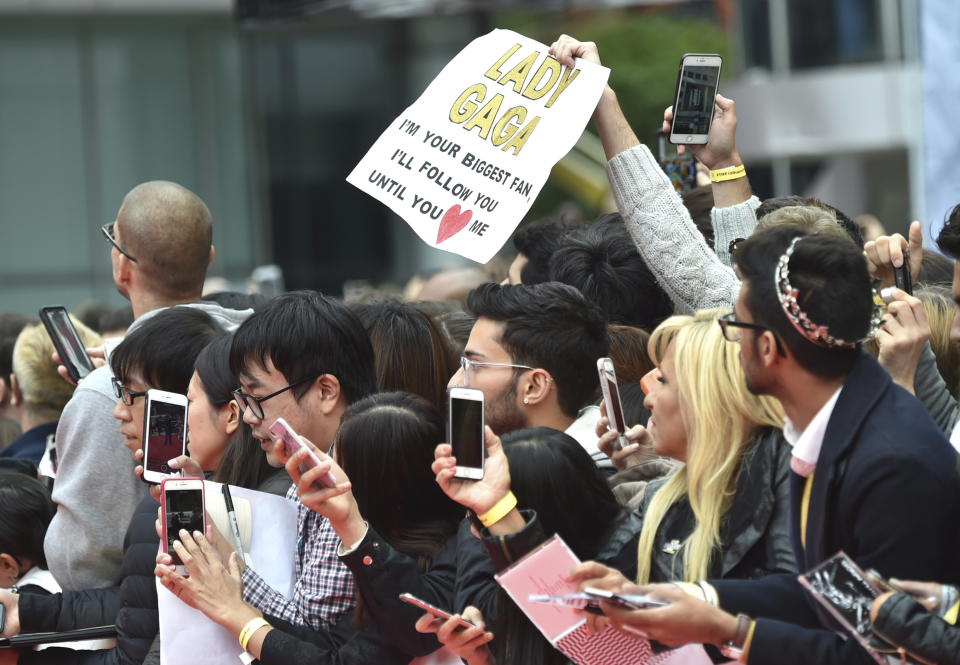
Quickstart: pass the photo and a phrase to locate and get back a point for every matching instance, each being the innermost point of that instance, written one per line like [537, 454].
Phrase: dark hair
[935, 270]
[164, 347]
[385, 445]
[537, 241]
[10, 326]
[544, 465]
[25, 513]
[949, 238]
[237, 300]
[549, 325]
[847, 224]
[831, 277]
[457, 326]
[604, 265]
[243, 463]
[628, 351]
[699, 203]
[119, 318]
[306, 334]
[410, 352]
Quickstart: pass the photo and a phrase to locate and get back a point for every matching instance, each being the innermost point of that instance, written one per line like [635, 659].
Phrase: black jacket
[132, 605]
[381, 574]
[903, 622]
[386, 635]
[755, 534]
[885, 492]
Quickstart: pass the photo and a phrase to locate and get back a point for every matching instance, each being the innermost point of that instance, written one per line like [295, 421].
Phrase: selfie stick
[232, 515]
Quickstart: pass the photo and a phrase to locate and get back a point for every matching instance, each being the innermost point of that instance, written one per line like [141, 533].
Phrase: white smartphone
[465, 431]
[281, 431]
[435, 611]
[693, 104]
[182, 507]
[611, 398]
[164, 434]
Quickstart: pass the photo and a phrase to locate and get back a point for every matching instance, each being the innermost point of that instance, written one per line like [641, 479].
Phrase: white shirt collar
[807, 443]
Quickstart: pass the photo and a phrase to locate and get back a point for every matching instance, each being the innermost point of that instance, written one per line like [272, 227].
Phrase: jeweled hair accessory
[819, 335]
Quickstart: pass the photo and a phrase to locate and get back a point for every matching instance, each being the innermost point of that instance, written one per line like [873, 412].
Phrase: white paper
[187, 636]
[464, 163]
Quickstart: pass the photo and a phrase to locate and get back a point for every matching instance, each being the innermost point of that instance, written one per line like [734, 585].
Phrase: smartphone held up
[611, 399]
[281, 431]
[465, 431]
[67, 342]
[693, 104]
[164, 434]
[181, 508]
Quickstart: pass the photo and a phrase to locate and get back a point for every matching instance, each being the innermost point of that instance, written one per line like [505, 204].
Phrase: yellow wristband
[249, 629]
[729, 173]
[499, 510]
[951, 615]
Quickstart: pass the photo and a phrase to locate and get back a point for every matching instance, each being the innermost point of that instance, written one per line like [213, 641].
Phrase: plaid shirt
[323, 591]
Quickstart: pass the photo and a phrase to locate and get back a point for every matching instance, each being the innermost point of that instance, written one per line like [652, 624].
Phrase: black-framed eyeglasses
[255, 404]
[108, 232]
[125, 394]
[731, 329]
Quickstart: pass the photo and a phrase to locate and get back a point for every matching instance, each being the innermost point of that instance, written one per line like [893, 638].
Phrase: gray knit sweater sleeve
[931, 390]
[732, 223]
[666, 237]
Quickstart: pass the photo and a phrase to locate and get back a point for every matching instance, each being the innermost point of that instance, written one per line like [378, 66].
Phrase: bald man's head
[169, 230]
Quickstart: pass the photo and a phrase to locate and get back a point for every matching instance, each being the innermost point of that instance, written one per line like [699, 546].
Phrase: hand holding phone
[281, 431]
[435, 611]
[182, 506]
[697, 83]
[611, 399]
[66, 340]
[164, 434]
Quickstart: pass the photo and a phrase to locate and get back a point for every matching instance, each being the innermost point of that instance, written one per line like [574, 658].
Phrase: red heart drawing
[453, 222]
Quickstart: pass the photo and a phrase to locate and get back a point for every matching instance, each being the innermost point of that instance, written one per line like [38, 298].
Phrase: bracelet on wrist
[500, 510]
[728, 173]
[251, 627]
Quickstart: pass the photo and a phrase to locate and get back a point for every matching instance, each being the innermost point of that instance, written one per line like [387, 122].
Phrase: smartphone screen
[466, 431]
[165, 432]
[693, 107]
[67, 341]
[846, 589]
[614, 407]
[184, 510]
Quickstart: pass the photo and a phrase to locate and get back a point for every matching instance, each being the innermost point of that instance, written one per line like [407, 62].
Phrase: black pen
[232, 516]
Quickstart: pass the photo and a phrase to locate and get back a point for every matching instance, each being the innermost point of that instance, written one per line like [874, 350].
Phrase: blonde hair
[43, 389]
[720, 417]
[813, 218]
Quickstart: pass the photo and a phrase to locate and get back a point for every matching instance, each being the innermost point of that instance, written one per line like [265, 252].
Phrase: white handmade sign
[464, 163]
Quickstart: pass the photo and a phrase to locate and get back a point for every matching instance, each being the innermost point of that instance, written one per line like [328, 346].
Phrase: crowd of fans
[785, 402]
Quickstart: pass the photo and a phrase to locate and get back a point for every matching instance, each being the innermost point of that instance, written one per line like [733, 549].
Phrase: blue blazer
[885, 491]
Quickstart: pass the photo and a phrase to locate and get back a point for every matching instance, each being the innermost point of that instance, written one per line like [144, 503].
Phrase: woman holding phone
[386, 508]
[723, 513]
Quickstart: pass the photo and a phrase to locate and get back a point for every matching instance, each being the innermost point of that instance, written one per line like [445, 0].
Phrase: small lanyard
[805, 510]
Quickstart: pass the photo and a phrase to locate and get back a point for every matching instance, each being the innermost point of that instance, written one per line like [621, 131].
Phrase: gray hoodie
[96, 490]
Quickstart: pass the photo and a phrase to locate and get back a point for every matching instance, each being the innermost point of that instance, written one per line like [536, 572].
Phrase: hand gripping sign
[464, 163]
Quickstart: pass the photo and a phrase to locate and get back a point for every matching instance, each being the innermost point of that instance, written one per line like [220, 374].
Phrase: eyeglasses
[125, 394]
[255, 404]
[108, 232]
[729, 324]
[468, 364]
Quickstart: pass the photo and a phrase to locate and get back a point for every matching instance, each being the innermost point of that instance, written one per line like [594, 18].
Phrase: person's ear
[16, 395]
[4, 392]
[535, 387]
[234, 417]
[9, 570]
[768, 349]
[328, 392]
[213, 254]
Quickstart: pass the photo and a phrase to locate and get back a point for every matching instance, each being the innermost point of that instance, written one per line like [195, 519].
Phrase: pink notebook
[543, 571]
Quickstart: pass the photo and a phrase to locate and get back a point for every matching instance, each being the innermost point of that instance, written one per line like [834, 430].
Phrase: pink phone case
[282, 432]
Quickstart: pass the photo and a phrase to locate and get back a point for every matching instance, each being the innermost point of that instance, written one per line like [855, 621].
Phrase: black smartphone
[66, 341]
[693, 103]
[902, 277]
[465, 431]
[3, 617]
